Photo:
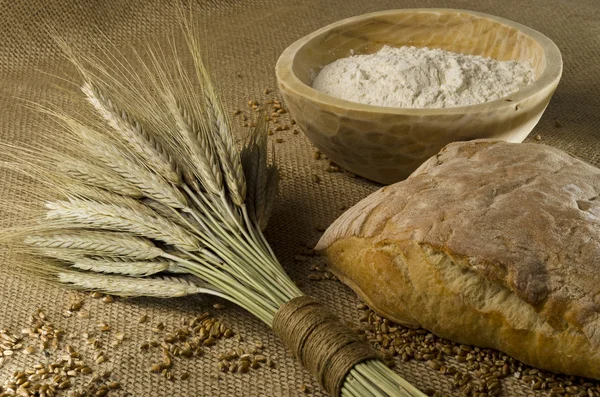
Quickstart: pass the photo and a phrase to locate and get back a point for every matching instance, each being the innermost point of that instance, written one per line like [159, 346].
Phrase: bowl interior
[449, 30]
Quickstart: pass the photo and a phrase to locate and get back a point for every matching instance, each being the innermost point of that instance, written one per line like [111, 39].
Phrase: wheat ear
[224, 144]
[69, 188]
[218, 125]
[85, 260]
[270, 196]
[88, 213]
[123, 162]
[134, 268]
[186, 141]
[98, 176]
[202, 159]
[254, 162]
[153, 185]
[161, 287]
[140, 140]
[94, 242]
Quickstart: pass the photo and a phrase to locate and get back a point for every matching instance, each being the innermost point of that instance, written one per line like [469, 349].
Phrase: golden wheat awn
[154, 185]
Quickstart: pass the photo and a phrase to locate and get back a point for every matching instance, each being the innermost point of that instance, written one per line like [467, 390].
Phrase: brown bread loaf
[488, 243]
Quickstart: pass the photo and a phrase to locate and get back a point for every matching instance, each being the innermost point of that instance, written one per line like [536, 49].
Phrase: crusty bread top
[526, 216]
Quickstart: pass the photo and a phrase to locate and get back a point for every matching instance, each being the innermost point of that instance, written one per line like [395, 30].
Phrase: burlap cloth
[245, 40]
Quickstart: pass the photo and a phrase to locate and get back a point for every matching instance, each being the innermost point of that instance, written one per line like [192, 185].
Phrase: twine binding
[324, 345]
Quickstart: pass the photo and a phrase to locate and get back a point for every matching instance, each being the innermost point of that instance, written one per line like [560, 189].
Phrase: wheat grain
[87, 213]
[134, 133]
[94, 242]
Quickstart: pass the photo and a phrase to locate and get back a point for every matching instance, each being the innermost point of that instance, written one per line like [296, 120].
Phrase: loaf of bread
[489, 243]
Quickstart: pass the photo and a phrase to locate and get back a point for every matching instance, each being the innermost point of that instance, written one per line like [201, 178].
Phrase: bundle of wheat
[152, 198]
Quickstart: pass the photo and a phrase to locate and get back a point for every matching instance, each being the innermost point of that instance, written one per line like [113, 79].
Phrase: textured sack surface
[244, 40]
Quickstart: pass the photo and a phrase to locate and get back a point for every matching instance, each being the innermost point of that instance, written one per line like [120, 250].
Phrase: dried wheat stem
[261, 245]
[238, 293]
[227, 247]
[232, 236]
[238, 251]
[211, 205]
[238, 267]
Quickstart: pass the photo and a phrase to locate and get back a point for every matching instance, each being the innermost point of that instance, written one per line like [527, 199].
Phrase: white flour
[411, 77]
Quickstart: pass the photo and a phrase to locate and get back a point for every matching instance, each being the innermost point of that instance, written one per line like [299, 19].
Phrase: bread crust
[490, 244]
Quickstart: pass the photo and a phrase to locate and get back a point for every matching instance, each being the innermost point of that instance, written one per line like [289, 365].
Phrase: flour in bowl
[411, 77]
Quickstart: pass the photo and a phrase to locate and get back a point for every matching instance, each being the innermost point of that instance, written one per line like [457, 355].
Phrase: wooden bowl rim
[550, 76]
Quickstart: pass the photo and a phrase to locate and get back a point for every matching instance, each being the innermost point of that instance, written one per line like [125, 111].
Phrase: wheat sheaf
[150, 196]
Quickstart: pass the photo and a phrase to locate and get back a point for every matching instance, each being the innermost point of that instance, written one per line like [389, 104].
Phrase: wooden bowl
[386, 144]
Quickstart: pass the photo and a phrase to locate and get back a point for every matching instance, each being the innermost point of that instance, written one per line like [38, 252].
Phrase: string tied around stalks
[322, 343]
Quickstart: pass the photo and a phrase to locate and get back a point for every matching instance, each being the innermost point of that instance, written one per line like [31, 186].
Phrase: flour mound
[411, 77]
